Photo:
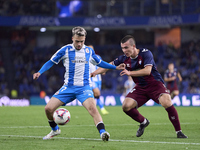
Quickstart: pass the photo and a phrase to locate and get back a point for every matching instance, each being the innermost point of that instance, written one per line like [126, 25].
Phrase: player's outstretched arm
[44, 68]
[98, 71]
[142, 72]
[106, 66]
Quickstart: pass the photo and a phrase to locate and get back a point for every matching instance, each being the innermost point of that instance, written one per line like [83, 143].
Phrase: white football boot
[52, 134]
[105, 136]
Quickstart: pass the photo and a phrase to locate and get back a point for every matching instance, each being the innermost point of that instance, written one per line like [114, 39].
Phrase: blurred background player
[96, 86]
[128, 85]
[170, 77]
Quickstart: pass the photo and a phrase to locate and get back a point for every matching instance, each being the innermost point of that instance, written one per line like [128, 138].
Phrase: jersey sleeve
[118, 61]
[148, 57]
[58, 56]
[46, 66]
[106, 65]
[95, 60]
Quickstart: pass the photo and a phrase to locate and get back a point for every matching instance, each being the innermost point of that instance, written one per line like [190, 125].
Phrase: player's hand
[125, 72]
[121, 67]
[36, 75]
[93, 74]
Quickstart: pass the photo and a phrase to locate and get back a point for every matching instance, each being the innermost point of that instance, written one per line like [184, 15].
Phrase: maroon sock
[173, 117]
[134, 114]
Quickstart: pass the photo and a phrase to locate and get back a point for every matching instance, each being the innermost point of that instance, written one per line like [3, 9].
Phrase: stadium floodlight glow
[43, 29]
[96, 29]
[99, 16]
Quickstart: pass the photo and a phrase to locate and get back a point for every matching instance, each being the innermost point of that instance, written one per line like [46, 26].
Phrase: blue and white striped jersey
[92, 69]
[77, 64]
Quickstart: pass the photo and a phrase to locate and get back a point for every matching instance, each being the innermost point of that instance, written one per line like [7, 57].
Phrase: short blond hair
[80, 31]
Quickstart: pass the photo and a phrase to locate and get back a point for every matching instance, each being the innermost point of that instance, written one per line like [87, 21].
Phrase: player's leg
[129, 107]
[63, 96]
[174, 93]
[165, 101]
[97, 93]
[51, 106]
[159, 93]
[90, 105]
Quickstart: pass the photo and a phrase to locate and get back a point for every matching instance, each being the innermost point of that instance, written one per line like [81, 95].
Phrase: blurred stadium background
[31, 31]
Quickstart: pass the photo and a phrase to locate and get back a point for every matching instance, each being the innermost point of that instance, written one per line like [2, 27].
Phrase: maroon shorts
[171, 89]
[141, 94]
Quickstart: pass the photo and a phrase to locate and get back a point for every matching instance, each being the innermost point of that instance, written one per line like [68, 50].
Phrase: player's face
[78, 41]
[129, 50]
[171, 67]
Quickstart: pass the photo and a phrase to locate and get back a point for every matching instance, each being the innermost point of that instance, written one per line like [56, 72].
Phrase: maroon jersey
[143, 59]
[147, 87]
[171, 85]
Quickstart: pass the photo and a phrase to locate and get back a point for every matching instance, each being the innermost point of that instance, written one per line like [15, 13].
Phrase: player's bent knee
[128, 104]
[165, 100]
[125, 107]
[48, 110]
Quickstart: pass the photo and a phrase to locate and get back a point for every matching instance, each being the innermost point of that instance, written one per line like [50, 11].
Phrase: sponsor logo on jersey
[80, 60]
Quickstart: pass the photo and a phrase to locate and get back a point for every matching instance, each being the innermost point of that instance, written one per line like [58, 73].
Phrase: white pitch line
[111, 140]
[91, 125]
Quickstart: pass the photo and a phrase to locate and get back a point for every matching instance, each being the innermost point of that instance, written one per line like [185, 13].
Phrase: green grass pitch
[22, 128]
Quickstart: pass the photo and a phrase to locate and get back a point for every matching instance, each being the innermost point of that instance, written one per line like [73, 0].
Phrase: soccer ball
[61, 116]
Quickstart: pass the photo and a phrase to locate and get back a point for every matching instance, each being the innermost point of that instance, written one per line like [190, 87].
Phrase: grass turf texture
[23, 128]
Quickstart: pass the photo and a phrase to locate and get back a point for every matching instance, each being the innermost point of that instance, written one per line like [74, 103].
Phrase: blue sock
[99, 103]
[55, 128]
[53, 125]
[102, 131]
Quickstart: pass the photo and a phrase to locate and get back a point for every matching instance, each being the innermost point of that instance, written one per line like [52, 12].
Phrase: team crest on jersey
[87, 50]
[140, 61]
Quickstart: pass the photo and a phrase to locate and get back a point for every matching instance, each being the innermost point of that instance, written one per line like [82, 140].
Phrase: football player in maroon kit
[170, 78]
[141, 67]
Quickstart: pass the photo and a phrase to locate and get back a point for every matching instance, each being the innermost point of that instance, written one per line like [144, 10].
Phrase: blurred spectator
[68, 8]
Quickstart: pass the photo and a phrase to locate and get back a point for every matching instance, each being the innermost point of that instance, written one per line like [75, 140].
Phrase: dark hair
[128, 37]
